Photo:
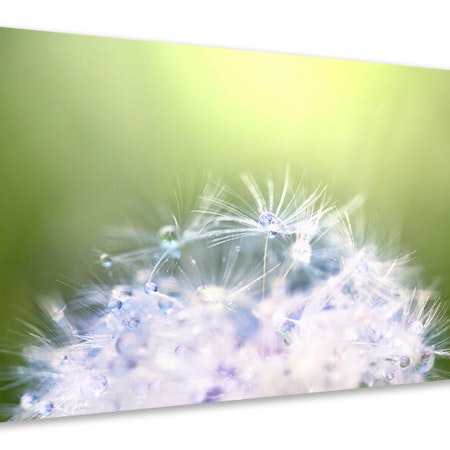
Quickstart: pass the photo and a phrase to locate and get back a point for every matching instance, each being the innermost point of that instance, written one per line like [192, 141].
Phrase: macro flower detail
[247, 297]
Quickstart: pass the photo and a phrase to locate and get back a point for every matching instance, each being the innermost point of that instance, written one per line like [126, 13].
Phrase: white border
[400, 32]
[403, 32]
[411, 416]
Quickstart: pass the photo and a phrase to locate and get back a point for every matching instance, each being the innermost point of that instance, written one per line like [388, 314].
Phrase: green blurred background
[92, 128]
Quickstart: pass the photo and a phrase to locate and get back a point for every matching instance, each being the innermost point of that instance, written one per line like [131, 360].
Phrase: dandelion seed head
[266, 293]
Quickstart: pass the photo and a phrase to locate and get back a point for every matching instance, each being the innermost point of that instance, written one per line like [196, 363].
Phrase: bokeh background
[94, 129]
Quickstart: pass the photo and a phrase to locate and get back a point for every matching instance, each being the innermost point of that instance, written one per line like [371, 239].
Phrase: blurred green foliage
[92, 129]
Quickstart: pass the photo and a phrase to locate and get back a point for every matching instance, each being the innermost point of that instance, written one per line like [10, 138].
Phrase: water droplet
[168, 237]
[122, 292]
[150, 287]
[120, 367]
[46, 408]
[287, 327]
[301, 251]
[425, 361]
[27, 400]
[404, 361]
[133, 322]
[269, 223]
[389, 376]
[180, 350]
[417, 327]
[114, 305]
[93, 385]
[106, 260]
[128, 345]
[166, 305]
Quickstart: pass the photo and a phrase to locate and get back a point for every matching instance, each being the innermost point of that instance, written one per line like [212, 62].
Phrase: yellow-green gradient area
[93, 129]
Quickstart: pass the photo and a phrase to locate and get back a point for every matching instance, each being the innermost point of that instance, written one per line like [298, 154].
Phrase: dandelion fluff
[265, 295]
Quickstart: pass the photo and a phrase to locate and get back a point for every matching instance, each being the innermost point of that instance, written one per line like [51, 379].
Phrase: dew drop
[389, 376]
[287, 327]
[133, 322]
[46, 408]
[180, 350]
[122, 292]
[106, 260]
[404, 361]
[269, 223]
[128, 345]
[417, 327]
[166, 306]
[120, 367]
[114, 305]
[150, 288]
[93, 385]
[27, 400]
[168, 237]
[425, 361]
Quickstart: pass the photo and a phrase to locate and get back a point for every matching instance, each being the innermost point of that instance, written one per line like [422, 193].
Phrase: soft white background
[399, 32]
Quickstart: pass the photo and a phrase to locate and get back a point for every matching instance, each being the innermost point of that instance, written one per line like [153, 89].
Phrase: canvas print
[186, 224]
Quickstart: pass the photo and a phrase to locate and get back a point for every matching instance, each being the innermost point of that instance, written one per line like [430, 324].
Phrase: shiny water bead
[114, 305]
[120, 367]
[93, 385]
[132, 322]
[63, 363]
[166, 305]
[404, 361]
[211, 293]
[122, 292]
[301, 251]
[287, 327]
[28, 400]
[45, 408]
[150, 287]
[389, 376]
[180, 350]
[106, 260]
[168, 237]
[417, 327]
[425, 361]
[269, 223]
[128, 345]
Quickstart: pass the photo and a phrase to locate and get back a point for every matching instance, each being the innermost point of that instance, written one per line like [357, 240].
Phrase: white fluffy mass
[256, 295]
